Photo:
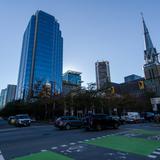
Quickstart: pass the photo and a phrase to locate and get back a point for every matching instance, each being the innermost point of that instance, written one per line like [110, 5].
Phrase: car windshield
[22, 117]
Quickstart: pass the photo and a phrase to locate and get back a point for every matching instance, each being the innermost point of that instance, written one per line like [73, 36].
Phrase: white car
[23, 120]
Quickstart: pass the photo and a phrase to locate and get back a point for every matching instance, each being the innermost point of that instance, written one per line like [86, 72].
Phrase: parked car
[157, 118]
[133, 117]
[101, 121]
[68, 122]
[120, 119]
[149, 116]
[12, 120]
[23, 120]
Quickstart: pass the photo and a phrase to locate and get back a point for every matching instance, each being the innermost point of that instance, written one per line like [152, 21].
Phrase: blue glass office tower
[72, 77]
[42, 56]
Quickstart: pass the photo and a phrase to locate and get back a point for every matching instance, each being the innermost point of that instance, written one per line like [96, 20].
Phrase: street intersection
[44, 142]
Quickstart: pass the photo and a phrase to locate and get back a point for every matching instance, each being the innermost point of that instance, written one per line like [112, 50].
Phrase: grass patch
[132, 145]
[48, 155]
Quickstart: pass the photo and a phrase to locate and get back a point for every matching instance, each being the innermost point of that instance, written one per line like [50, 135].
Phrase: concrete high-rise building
[103, 77]
[0, 102]
[7, 95]
[152, 65]
[11, 92]
[42, 56]
[3, 97]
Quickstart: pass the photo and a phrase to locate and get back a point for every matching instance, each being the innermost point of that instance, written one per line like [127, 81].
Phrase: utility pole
[54, 91]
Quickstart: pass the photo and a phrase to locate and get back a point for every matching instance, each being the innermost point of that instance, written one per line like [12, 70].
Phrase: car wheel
[116, 125]
[98, 127]
[68, 127]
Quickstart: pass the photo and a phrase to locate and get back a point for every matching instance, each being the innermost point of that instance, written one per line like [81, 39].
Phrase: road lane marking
[152, 156]
[68, 151]
[1, 156]
[72, 143]
[43, 150]
[80, 142]
[155, 152]
[63, 145]
[54, 148]
[86, 140]
[99, 137]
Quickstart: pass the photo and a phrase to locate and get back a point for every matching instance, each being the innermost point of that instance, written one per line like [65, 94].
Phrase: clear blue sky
[92, 30]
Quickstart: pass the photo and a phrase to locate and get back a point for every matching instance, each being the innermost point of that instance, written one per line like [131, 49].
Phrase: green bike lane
[139, 144]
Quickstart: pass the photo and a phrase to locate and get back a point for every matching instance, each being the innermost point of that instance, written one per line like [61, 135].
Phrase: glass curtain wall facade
[41, 57]
[72, 77]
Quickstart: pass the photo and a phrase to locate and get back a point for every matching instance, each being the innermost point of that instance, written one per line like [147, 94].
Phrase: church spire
[148, 41]
[150, 53]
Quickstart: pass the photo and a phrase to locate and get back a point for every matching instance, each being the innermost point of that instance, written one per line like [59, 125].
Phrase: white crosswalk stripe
[43, 150]
[72, 143]
[1, 156]
[63, 145]
[155, 152]
[80, 142]
[152, 156]
[54, 148]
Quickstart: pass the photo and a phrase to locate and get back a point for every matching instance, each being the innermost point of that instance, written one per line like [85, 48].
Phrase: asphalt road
[17, 142]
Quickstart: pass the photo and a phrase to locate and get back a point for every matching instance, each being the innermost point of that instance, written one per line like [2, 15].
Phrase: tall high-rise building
[1, 102]
[152, 65]
[3, 97]
[42, 56]
[102, 74]
[11, 92]
[7, 95]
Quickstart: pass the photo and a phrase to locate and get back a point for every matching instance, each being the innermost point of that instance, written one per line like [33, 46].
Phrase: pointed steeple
[148, 41]
[150, 53]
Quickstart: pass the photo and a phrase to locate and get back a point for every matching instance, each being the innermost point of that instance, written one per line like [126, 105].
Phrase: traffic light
[141, 84]
[112, 90]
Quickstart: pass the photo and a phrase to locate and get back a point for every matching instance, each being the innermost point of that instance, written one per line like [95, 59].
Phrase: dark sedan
[68, 122]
